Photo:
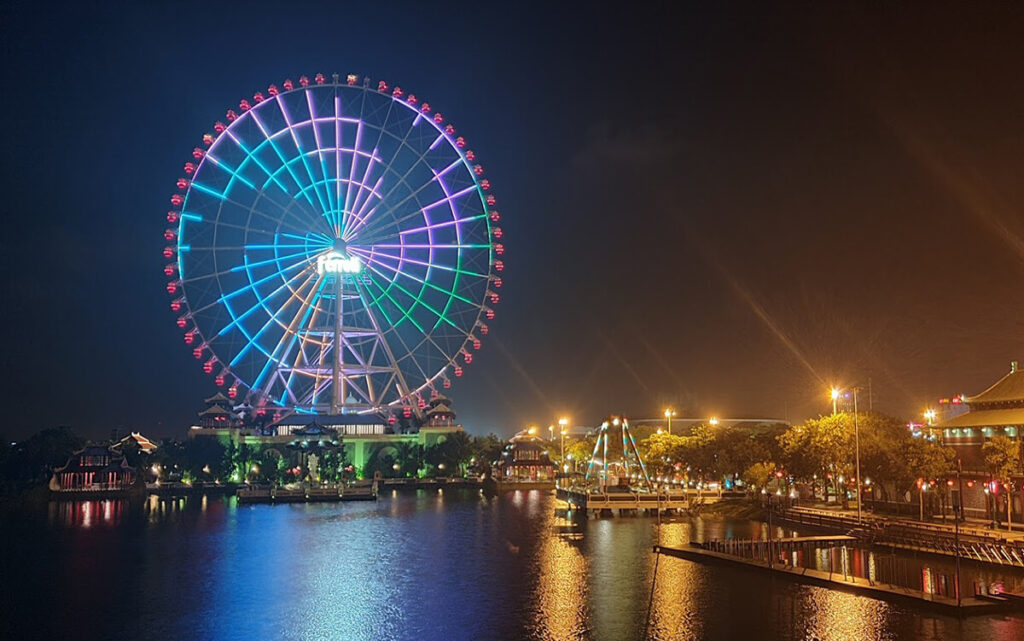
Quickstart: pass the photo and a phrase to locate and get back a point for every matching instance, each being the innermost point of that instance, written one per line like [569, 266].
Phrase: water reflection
[428, 565]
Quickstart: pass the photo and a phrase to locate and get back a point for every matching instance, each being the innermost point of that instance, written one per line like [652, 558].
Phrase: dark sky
[726, 207]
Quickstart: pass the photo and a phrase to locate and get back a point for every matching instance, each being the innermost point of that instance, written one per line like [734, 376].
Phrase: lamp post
[712, 421]
[564, 424]
[669, 413]
[856, 438]
[835, 400]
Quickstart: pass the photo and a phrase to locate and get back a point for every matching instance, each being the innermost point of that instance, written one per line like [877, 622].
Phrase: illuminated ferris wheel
[336, 248]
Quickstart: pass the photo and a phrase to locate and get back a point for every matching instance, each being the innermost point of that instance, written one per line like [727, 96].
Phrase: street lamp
[712, 421]
[564, 424]
[551, 432]
[856, 439]
[835, 400]
[929, 416]
[669, 413]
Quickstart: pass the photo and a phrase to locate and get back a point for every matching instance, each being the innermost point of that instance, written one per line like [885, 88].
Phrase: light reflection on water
[419, 565]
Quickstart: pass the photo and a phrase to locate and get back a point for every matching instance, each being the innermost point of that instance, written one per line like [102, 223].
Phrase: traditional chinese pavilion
[525, 460]
[94, 468]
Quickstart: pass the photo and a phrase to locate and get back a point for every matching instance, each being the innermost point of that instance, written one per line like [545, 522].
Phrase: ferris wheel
[335, 247]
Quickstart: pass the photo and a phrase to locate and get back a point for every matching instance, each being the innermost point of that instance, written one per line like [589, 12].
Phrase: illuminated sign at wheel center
[337, 261]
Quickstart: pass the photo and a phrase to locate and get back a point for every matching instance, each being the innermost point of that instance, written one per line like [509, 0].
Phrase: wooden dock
[605, 502]
[975, 604]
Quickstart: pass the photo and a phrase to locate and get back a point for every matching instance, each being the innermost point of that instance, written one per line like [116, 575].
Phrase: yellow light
[835, 393]
[659, 430]
[713, 421]
[563, 421]
[532, 430]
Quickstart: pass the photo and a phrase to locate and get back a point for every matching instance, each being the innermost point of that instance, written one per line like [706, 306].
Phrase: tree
[1002, 457]
[32, 461]
[822, 446]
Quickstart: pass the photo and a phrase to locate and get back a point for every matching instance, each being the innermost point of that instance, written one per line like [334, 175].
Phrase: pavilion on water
[525, 459]
[93, 468]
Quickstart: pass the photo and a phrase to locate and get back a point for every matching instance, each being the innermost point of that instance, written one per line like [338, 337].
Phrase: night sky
[725, 207]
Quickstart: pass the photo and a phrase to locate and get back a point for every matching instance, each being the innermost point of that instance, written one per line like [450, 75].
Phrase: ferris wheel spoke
[287, 340]
[418, 300]
[449, 199]
[260, 303]
[373, 252]
[324, 208]
[429, 228]
[272, 320]
[249, 208]
[238, 268]
[399, 272]
[250, 157]
[285, 164]
[323, 163]
[437, 177]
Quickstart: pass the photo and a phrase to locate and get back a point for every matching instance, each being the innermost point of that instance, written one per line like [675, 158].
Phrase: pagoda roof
[214, 410]
[304, 419]
[1008, 388]
[217, 398]
[145, 444]
[313, 429]
[440, 408]
[986, 418]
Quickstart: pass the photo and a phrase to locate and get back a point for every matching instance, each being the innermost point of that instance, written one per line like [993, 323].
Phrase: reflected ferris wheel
[336, 247]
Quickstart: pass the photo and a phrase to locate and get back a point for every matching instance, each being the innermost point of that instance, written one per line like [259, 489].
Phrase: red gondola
[420, 402]
[392, 420]
[397, 93]
[170, 269]
[438, 118]
[477, 169]
[198, 352]
[207, 139]
[231, 115]
[190, 337]
[352, 79]
[449, 129]
[499, 265]
[407, 411]
[182, 183]
[489, 314]
[458, 371]
[219, 380]
[257, 97]
[272, 90]
[382, 86]
[486, 184]
[244, 105]
[468, 357]
[499, 249]
[497, 232]
[447, 383]
[182, 321]
[491, 200]
[168, 252]
[208, 365]
[495, 216]
[425, 108]
[470, 155]
[496, 281]
[219, 127]
[288, 84]
[172, 287]
[176, 200]
[319, 78]
[233, 391]
[169, 235]
[476, 343]
[172, 217]
[460, 142]
[198, 153]
[176, 305]
[495, 299]
[189, 168]
[484, 329]
[412, 99]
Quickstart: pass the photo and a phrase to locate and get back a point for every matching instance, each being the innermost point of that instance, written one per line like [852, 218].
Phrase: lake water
[415, 565]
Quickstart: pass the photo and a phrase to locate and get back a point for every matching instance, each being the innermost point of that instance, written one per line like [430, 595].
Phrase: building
[93, 468]
[146, 446]
[365, 436]
[998, 411]
[525, 460]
